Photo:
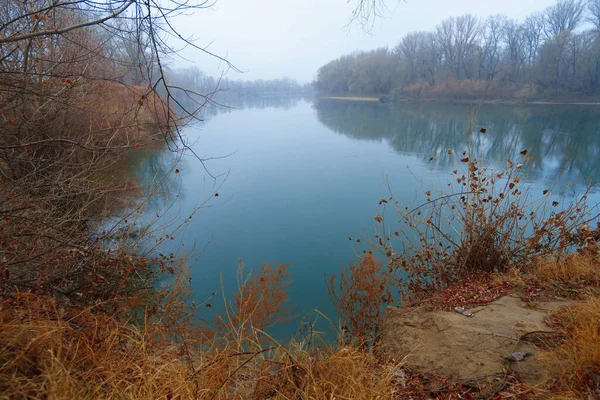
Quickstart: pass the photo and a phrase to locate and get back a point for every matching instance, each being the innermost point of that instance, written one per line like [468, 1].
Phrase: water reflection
[224, 103]
[563, 141]
[153, 170]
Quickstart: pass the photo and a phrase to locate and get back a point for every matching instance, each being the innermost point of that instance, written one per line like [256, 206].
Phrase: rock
[448, 344]
[399, 375]
[464, 312]
[517, 356]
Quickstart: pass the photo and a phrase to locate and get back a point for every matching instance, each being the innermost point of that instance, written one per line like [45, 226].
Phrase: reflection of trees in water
[260, 101]
[563, 141]
[226, 103]
[153, 170]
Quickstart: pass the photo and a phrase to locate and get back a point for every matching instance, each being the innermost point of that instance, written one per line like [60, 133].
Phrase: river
[301, 177]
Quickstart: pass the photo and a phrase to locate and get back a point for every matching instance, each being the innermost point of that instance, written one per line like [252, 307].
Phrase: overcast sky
[270, 39]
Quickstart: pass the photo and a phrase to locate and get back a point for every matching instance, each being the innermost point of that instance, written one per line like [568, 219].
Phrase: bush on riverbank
[479, 236]
[483, 220]
[67, 123]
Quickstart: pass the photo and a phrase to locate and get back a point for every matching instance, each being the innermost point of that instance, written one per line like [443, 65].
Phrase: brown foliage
[54, 351]
[66, 124]
[466, 89]
[572, 272]
[262, 298]
[259, 303]
[359, 296]
[475, 290]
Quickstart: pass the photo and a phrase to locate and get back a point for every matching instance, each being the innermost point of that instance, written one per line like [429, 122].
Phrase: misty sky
[270, 39]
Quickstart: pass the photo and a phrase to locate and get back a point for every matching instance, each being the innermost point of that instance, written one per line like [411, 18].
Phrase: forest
[552, 54]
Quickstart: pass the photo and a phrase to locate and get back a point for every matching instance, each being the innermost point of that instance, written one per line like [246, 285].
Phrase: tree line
[193, 77]
[552, 53]
[223, 91]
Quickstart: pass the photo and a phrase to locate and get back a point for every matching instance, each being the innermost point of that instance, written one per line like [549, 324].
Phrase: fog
[273, 38]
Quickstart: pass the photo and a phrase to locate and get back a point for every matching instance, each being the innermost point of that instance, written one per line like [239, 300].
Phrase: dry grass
[578, 268]
[49, 352]
[351, 374]
[577, 359]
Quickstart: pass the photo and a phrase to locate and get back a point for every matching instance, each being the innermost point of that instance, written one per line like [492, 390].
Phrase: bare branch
[55, 32]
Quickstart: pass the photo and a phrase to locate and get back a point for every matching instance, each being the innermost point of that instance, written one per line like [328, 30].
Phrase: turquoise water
[302, 177]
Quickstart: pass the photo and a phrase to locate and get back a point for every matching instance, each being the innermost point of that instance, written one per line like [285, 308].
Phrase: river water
[301, 177]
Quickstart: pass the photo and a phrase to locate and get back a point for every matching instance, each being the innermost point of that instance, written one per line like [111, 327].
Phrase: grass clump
[573, 276]
[51, 352]
[577, 359]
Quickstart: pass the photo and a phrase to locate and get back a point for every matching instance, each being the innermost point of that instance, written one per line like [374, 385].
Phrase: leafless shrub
[486, 220]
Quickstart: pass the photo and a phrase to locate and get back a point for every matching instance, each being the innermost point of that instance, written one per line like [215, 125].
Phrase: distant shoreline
[351, 98]
[512, 102]
[463, 101]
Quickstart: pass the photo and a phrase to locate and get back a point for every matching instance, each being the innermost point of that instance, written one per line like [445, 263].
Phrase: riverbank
[530, 350]
[462, 101]
[525, 334]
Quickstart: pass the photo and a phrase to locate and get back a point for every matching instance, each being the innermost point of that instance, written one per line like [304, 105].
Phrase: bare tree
[468, 30]
[533, 29]
[132, 50]
[365, 12]
[565, 15]
[493, 34]
[548, 55]
[515, 50]
[554, 60]
[407, 51]
[446, 38]
[594, 13]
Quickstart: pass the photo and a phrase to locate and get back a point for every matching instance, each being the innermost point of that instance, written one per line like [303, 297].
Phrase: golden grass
[349, 374]
[48, 352]
[575, 268]
[577, 360]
